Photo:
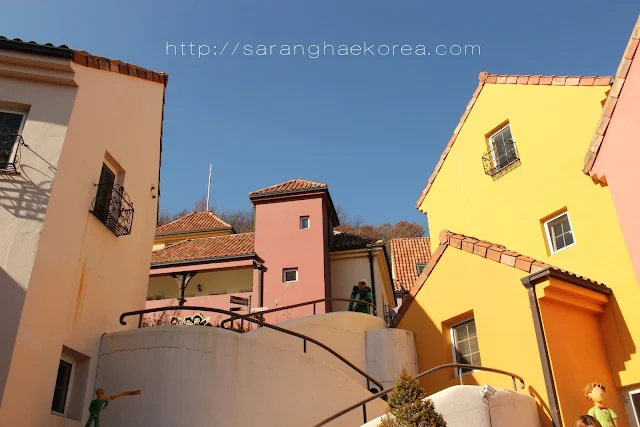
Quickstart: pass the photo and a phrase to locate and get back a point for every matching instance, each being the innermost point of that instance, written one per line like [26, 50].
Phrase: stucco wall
[278, 236]
[388, 351]
[210, 377]
[616, 161]
[552, 127]
[84, 276]
[214, 282]
[492, 294]
[463, 406]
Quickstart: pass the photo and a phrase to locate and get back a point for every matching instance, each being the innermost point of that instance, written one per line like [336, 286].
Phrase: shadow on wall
[25, 197]
[618, 339]
[12, 301]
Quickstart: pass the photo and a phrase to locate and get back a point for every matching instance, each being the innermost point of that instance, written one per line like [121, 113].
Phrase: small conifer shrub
[408, 406]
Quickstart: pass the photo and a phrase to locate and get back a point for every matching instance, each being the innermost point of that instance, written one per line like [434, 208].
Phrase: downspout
[373, 277]
[547, 371]
[259, 290]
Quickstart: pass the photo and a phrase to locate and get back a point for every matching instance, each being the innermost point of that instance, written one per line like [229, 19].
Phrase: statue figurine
[102, 402]
[605, 416]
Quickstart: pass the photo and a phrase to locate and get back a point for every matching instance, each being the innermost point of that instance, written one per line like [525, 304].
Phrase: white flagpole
[209, 187]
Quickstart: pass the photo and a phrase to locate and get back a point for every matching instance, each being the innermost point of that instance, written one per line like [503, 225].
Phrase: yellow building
[512, 173]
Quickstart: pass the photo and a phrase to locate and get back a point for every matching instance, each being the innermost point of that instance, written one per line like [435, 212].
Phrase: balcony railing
[113, 208]
[10, 152]
[500, 157]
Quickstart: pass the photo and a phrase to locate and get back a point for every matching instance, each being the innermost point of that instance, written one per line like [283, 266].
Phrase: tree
[241, 221]
[408, 405]
[201, 205]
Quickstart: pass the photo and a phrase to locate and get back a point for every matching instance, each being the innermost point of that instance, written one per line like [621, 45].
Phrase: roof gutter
[36, 49]
[529, 283]
[203, 260]
[186, 233]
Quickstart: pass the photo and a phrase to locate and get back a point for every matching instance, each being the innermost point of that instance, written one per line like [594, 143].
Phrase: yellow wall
[552, 127]
[213, 283]
[578, 357]
[500, 306]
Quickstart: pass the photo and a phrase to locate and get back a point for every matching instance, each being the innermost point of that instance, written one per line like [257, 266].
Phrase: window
[10, 129]
[290, 275]
[559, 232]
[64, 382]
[420, 266]
[464, 343]
[634, 397]
[304, 222]
[111, 205]
[502, 151]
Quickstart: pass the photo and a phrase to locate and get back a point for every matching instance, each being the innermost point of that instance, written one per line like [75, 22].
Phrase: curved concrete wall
[345, 332]
[388, 350]
[464, 406]
[198, 376]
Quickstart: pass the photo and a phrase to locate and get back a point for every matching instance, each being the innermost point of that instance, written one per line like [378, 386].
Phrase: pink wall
[213, 301]
[278, 236]
[618, 161]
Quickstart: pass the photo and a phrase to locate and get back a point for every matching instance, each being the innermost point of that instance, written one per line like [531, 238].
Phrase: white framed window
[304, 222]
[420, 266]
[11, 124]
[64, 384]
[290, 275]
[634, 403]
[502, 147]
[464, 345]
[559, 232]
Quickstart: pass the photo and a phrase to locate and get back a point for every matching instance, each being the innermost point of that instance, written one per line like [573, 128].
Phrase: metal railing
[458, 366]
[10, 161]
[502, 155]
[262, 323]
[260, 315]
[113, 208]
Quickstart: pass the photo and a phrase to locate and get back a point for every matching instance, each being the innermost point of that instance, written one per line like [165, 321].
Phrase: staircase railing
[260, 314]
[262, 323]
[458, 366]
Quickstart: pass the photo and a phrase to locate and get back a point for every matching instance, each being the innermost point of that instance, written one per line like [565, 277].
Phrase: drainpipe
[259, 291]
[547, 372]
[373, 277]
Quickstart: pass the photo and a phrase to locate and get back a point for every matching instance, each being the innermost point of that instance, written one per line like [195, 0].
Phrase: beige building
[75, 131]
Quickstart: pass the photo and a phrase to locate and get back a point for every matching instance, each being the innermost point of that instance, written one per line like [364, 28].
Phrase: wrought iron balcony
[500, 157]
[10, 152]
[113, 208]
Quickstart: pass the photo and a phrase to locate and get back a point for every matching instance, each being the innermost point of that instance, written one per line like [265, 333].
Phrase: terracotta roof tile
[495, 252]
[520, 79]
[344, 241]
[86, 59]
[204, 248]
[288, 186]
[406, 253]
[630, 54]
[197, 221]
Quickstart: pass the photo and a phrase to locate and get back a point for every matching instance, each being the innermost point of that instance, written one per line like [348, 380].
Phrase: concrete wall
[464, 406]
[198, 376]
[284, 245]
[83, 276]
[24, 197]
[388, 351]
[616, 160]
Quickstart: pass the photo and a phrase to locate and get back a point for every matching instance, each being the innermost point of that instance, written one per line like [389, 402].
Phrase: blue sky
[372, 127]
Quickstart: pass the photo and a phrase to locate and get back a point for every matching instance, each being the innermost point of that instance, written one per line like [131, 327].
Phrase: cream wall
[24, 197]
[192, 375]
[388, 351]
[84, 276]
[213, 282]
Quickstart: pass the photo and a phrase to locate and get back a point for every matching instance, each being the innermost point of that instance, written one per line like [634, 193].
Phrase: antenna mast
[209, 187]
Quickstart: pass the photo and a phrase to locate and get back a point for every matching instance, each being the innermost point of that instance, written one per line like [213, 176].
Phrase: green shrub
[408, 406]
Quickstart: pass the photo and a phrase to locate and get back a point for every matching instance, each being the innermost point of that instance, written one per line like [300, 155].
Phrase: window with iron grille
[464, 342]
[10, 140]
[111, 205]
[559, 233]
[502, 152]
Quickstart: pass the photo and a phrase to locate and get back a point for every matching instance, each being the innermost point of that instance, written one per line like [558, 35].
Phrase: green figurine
[102, 402]
[605, 416]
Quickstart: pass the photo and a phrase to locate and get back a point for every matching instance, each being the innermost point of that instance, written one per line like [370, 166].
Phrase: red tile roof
[345, 241]
[520, 79]
[610, 104]
[490, 251]
[205, 248]
[197, 221]
[84, 58]
[406, 253]
[289, 186]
